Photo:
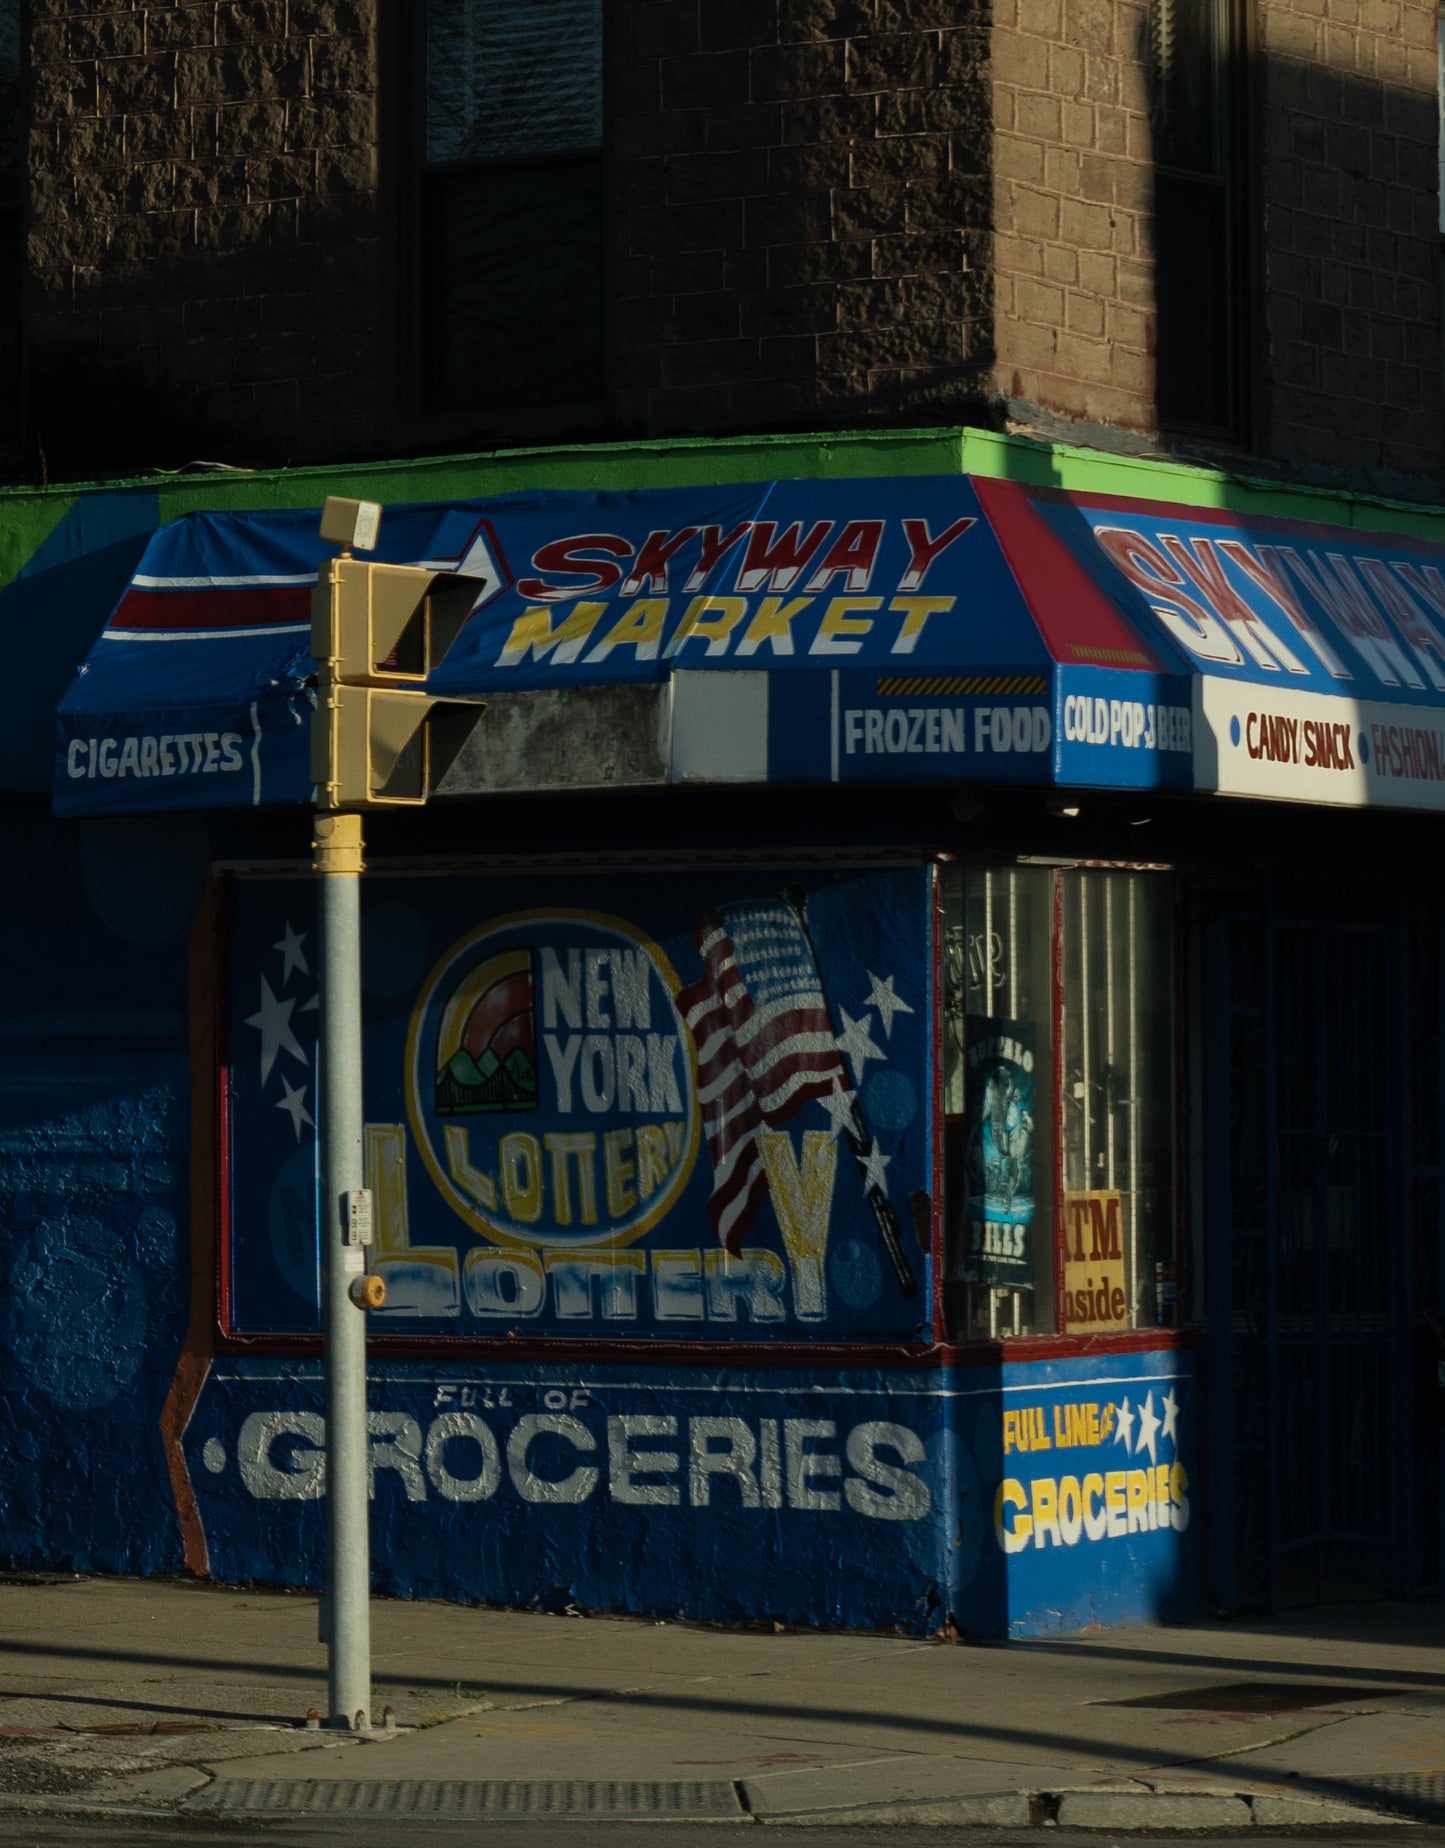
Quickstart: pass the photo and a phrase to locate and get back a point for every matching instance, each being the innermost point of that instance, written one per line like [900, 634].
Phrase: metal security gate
[1307, 1259]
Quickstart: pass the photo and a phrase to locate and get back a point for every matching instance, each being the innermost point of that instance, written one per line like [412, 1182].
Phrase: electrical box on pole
[377, 631]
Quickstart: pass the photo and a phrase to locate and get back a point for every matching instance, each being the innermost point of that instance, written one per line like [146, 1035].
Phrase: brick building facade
[815, 213]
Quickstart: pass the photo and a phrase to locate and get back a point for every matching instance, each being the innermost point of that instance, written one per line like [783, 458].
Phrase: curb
[1084, 1809]
[1130, 1810]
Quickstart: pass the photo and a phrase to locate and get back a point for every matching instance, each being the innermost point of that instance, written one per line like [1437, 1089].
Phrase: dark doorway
[1307, 1252]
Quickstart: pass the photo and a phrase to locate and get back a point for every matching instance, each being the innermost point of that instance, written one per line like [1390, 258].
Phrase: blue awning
[922, 629]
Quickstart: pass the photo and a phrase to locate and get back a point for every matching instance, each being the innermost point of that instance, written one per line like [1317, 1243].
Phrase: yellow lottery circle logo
[550, 1081]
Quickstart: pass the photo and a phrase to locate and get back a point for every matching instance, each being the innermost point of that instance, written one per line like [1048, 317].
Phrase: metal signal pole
[372, 626]
[346, 1624]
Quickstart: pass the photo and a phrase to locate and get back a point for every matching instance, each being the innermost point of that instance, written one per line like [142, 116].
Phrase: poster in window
[999, 1162]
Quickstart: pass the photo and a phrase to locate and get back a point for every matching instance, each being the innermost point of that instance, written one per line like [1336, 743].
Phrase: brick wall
[203, 244]
[801, 231]
[821, 212]
[1351, 232]
[1072, 189]
[1346, 350]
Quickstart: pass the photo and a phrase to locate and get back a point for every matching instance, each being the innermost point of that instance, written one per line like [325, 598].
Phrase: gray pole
[346, 1623]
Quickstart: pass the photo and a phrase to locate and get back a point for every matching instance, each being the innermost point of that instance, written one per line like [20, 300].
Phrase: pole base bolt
[367, 1292]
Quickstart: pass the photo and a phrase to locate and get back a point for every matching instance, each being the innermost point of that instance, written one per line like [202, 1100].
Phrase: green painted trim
[27, 515]
[618, 466]
[1093, 471]
[24, 528]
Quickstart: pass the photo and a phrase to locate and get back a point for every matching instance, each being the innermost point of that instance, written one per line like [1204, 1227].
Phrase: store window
[12, 167]
[1195, 120]
[508, 301]
[1059, 1101]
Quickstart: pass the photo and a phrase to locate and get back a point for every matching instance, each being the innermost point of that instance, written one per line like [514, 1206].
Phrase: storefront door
[1305, 1257]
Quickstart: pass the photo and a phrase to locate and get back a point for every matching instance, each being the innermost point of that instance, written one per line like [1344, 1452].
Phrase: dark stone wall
[203, 232]
[802, 212]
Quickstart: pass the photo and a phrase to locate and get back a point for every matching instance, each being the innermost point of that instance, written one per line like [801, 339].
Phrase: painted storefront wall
[139, 1436]
[1061, 1493]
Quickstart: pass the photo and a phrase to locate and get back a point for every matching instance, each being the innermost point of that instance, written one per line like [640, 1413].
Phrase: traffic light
[376, 632]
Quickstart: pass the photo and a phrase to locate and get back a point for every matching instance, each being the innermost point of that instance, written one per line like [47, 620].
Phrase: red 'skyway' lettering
[715, 546]
[851, 556]
[650, 568]
[779, 563]
[568, 557]
[924, 550]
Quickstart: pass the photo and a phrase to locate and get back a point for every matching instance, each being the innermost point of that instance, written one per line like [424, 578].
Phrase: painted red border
[193, 1364]
[1069, 605]
[735, 1354]
[937, 922]
[222, 1255]
[1028, 1348]
[1056, 964]
[1184, 1228]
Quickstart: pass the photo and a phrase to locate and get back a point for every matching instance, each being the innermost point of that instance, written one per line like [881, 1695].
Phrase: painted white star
[294, 1103]
[881, 996]
[274, 1022]
[840, 1105]
[874, 1165]
[291, 956]
[1148, 1428]
[1171, 1417]
[1124, 1433]
[857, 1041]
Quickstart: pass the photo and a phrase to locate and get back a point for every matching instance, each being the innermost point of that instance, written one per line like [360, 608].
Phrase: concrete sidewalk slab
[1359, 1744]
[810, 1726]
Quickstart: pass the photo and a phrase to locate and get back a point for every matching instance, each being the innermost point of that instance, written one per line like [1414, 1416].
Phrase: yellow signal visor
[381, 625]
[382, 747]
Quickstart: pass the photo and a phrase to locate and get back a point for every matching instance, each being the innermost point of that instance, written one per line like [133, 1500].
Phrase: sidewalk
[176, 1695]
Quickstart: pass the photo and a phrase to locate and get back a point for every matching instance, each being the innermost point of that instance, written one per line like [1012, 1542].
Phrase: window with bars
[508, 303]
[12, 169]
[1059, 1084]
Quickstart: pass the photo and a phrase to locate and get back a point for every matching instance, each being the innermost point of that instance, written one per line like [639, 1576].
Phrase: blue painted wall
[1016, 1499]
[858, 1497]
[94, 1195]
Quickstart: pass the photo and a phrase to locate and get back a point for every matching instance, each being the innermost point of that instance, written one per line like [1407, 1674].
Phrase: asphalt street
[114, 1831]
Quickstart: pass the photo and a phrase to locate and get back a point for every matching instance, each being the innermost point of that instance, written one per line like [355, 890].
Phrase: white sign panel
[1293, 746]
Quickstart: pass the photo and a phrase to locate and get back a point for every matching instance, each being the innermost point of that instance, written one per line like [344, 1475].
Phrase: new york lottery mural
[674, 1106]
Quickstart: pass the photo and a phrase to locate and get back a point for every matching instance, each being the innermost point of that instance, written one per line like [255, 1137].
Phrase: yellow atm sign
[1096, 1283]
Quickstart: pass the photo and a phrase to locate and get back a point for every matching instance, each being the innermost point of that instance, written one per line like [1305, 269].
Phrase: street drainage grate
[1257, 1697]
[459, 1797]
[1420, 1794]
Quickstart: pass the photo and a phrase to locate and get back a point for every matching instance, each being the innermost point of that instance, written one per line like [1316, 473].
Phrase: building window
[1058, 1101]
[509, 205]
[1195, 120]
[1440, 130]
[12, 168]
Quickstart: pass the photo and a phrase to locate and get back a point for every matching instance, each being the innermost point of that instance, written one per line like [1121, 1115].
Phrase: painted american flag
[765, 1046]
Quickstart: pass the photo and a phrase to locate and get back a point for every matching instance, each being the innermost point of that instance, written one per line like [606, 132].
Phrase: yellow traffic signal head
[386, 625]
